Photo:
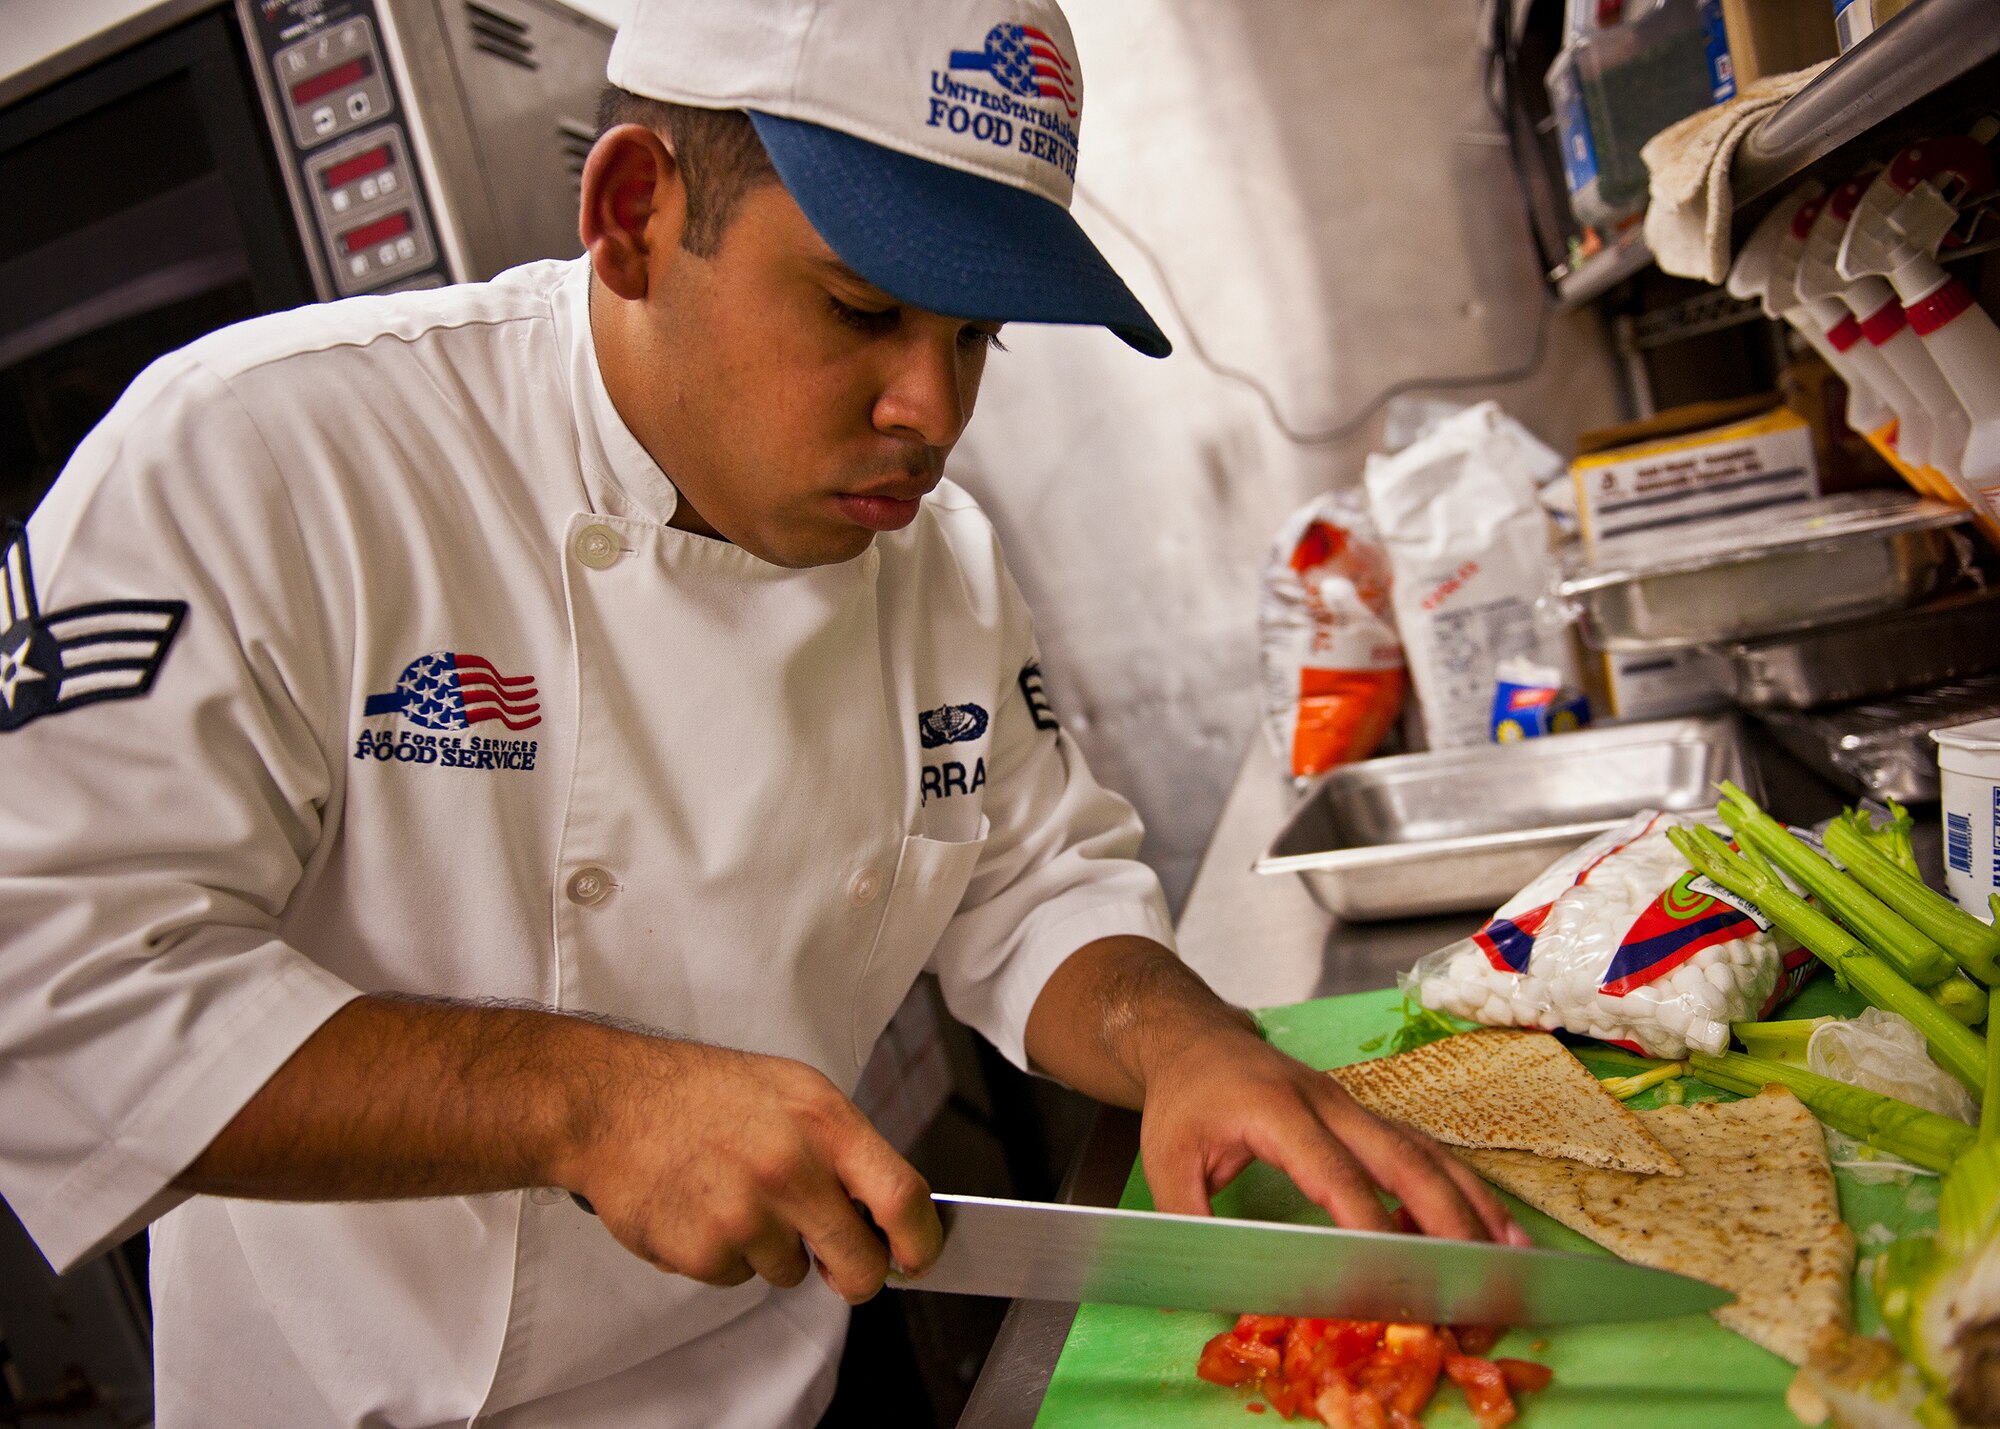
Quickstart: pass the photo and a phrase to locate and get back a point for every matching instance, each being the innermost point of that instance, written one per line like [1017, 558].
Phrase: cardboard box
[1769, 37]
[1694, 463]
[1663, 684]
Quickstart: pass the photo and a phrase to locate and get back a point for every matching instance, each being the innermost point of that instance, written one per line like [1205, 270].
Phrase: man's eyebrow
[834, 268]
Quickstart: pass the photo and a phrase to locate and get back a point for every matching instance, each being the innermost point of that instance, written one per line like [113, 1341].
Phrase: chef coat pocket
[931, 878]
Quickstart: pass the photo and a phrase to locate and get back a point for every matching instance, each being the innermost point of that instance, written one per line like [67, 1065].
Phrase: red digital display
[381, 230]
[348, 170]
[339, 77]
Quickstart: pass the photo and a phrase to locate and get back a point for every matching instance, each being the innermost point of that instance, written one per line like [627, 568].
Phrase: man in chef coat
[470, 747]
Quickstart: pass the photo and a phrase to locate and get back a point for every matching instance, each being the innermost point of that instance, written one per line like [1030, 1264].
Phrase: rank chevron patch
[59, 661]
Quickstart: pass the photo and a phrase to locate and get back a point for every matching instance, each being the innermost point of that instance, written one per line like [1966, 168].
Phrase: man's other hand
[1220, 1101]
[1126, 1021]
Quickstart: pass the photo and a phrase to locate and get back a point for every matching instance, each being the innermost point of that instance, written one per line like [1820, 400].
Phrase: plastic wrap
[1884, 1053]
[1620, 941]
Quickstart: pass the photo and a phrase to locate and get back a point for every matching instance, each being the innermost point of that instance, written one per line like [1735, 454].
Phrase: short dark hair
[720, 157]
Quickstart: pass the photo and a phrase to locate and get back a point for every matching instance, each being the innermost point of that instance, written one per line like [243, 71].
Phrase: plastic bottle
[1628, 69]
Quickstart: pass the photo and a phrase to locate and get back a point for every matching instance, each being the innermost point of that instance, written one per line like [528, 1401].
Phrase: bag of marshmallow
[1619, 940]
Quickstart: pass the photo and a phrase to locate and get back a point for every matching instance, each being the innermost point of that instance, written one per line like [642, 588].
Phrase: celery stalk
[1974, 944]
[1896, 841]
[1923, 1138]
[1958, 1050]
[1940, 1293]
[1783, 1041]
[1963, 998]
[1911, 953]
[1625, 1088]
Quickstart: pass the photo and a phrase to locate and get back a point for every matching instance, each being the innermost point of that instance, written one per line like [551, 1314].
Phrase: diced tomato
[1228, 1360]
[1287, 1396]
[1351, 1341]
[1363, 1374]
[1525, 1375]
[1485, 1389]
[1254, 1407]
[1477, 1339]
[1340, 1407]
[1302, 1341]
[1265, 1329]
[1403, 1373]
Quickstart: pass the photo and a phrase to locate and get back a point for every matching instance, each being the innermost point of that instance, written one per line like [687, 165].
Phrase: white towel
[1688, 214]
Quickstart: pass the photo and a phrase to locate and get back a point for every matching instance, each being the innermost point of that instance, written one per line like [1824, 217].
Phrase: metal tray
[1464, 829]
[1909, 650]
[1837, 558]
[1883, 747]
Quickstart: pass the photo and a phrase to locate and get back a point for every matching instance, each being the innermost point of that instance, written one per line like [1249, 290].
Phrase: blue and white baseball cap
[932, 143]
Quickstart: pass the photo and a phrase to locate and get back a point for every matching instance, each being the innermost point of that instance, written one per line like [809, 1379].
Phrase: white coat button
[588, 886]
[597, 547]
[546, 1195]
[862, 888]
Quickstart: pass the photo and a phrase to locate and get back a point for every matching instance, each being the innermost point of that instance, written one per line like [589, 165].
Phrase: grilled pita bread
[1521, 1090]
[1756, 1212]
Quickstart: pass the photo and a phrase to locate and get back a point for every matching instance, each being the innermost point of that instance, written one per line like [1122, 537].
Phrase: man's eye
[972, 335]
[868, 320]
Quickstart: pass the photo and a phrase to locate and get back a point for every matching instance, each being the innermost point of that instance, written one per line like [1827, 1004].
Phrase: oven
[170, 166]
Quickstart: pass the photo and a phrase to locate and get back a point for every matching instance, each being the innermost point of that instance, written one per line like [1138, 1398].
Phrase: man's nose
[929, 388]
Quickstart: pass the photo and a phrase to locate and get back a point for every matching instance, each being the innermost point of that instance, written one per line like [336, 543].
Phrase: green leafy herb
[1420, 1027]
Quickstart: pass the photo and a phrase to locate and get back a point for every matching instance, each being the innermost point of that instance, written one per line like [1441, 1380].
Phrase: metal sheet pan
[1838, 558]
[1466, 829]
[1910, 650]
[1883, 748]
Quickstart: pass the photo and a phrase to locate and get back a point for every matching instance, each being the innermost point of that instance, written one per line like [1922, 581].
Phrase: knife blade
[1045, 1251]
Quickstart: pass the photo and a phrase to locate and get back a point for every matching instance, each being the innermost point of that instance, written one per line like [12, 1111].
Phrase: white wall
[1320, 182]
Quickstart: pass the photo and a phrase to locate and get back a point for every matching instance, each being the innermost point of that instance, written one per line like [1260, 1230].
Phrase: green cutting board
[1130, 1366]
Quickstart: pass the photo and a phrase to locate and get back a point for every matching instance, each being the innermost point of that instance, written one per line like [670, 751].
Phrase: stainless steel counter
[1261, 942]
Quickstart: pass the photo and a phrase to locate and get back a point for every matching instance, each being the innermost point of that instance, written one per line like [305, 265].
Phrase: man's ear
[634, 207]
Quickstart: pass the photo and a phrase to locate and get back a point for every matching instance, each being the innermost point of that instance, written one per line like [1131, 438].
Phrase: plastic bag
[1468, 546]
[1333, 667]
[1619, 940]
[1884, 1053]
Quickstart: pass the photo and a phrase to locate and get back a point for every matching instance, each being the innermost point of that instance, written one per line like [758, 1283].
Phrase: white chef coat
[451, 710]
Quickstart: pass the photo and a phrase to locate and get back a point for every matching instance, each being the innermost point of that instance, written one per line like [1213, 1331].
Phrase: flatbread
[1507, 1089]
[1756, 1213]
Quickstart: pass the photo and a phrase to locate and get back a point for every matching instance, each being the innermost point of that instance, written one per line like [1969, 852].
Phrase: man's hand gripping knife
[707, 1162]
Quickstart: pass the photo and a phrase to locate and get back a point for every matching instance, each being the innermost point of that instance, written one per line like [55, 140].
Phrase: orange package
[1333, 666]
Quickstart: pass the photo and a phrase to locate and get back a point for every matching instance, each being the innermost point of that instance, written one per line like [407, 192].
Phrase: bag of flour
[1469, 554]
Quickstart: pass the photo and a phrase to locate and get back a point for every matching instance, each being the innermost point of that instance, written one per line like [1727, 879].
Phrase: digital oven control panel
[364, 195]
[355, 183]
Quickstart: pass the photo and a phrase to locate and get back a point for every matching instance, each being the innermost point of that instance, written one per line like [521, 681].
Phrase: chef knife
[1037, 1251]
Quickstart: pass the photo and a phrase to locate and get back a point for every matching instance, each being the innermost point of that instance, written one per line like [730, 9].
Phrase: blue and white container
[1969, 771]
[1628, 69]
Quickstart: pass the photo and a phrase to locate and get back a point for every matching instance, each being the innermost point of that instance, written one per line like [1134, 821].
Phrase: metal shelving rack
[1919, 52]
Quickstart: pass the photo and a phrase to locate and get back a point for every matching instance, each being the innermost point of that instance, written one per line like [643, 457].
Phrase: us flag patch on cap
[59, 661]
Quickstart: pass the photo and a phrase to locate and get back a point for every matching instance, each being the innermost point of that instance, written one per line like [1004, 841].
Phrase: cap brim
[948, 241]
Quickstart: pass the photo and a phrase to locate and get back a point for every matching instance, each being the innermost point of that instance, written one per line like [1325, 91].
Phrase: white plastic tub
[1969, 772]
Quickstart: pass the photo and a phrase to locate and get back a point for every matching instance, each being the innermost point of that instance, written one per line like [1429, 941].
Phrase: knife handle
[867, 1216]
